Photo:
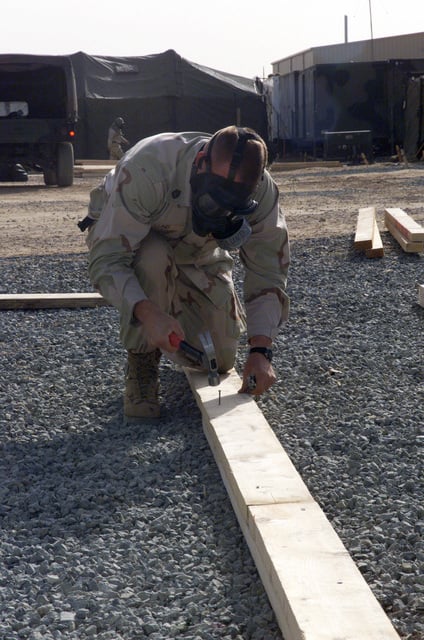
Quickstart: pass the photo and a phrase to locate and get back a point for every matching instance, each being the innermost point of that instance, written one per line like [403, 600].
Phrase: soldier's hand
[258, 375]
[157, 325]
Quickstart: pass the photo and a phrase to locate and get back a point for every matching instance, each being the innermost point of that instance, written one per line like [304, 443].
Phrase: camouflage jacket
[150, 189]
[115, 138]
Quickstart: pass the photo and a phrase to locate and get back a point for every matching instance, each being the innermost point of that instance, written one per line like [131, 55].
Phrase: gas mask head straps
[244, 135]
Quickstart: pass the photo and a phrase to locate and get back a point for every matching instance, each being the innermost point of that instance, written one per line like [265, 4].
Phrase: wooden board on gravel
[405, 224]
[409, 246]
[367, 235]
[364, 228]
[10, 301]
[316, 590]
[420, 288]
[377, 249]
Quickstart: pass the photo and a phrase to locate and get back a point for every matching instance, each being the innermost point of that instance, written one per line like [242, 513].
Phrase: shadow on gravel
[114, 507]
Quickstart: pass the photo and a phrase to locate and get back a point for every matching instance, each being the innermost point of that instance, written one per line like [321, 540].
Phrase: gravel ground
[116, 532]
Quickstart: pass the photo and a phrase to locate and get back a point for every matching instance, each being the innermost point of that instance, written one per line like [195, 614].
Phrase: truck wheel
[65, 164]
[50, 176]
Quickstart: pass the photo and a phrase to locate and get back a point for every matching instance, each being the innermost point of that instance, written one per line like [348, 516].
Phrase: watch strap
[263, 350]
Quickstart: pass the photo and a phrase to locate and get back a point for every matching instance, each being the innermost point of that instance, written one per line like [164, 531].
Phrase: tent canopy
[156, 93]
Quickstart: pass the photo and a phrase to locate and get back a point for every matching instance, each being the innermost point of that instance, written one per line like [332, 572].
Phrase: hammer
[205, 358]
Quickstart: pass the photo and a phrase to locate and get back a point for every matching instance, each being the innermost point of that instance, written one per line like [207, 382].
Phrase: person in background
[116, 139]
[163, 229]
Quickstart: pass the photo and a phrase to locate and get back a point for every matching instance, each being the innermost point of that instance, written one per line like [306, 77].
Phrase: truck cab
[38, 116]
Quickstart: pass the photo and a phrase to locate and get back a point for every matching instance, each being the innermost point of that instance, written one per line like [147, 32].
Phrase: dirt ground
[318, 202]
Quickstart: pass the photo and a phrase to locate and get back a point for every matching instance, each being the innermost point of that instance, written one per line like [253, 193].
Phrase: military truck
[38, 116]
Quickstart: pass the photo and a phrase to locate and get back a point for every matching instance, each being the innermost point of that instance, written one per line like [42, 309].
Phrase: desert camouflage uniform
[114, 143]
[143, 246]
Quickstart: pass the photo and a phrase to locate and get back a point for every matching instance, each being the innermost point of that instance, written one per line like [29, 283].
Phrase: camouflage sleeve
[99, 195]
[266, 258]
[123, 223]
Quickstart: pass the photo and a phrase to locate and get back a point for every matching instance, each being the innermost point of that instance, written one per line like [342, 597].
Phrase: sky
[241, 37]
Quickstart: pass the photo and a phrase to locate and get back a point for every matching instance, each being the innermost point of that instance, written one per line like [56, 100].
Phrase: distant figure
[116, 139]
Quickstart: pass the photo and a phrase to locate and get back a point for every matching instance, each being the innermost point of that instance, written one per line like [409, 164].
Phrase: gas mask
[220, 205]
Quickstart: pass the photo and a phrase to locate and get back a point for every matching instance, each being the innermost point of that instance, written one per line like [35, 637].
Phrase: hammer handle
[192, 352]
[174, 340]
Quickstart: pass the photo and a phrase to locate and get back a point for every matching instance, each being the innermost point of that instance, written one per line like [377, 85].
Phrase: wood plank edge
[420, 288]
[11, 301]
[330, 598]
[290, 166]
[377, 249]
[364, 229]
[408, 227]
[290, 622]
[86, 161]
[405, 244]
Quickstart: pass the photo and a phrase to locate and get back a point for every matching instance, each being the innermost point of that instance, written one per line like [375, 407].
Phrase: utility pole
[369, 4]
[372, 37]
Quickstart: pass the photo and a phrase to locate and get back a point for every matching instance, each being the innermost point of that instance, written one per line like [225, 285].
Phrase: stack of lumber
[408, 233]
[367, 236]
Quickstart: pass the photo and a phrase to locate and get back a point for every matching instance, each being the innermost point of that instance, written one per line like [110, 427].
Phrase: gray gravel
[117, 532]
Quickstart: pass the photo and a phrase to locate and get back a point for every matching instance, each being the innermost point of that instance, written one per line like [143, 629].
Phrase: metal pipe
[369, 4]
[372, 37]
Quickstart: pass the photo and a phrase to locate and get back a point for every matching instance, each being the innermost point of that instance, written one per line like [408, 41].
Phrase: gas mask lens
[209, 206]
[219, 206]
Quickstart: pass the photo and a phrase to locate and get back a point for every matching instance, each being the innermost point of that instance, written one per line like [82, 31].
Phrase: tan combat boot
[141, 399]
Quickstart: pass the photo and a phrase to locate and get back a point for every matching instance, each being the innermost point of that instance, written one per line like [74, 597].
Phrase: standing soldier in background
[116, 139]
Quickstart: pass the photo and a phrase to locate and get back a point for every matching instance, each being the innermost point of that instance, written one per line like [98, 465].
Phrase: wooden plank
[377, 249]
[323, 594]
[407, 246]
[110, 163]
[100, 168]
[408, 227]
[314, 586]
[257, 469]
[85, 170]
[420, 288]
[364, 229]
[9, 301]
[93, 168]
[290, 166]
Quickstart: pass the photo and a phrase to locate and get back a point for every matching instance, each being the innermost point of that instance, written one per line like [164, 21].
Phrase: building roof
[404, 47]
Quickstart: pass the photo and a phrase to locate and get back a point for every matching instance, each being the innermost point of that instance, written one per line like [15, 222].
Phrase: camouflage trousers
[115, 152]
[184, 292]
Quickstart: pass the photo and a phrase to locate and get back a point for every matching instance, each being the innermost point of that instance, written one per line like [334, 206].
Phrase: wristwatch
[264, 350]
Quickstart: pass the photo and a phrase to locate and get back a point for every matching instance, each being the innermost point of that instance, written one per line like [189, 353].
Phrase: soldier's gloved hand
[258, 375]
[157, 325]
